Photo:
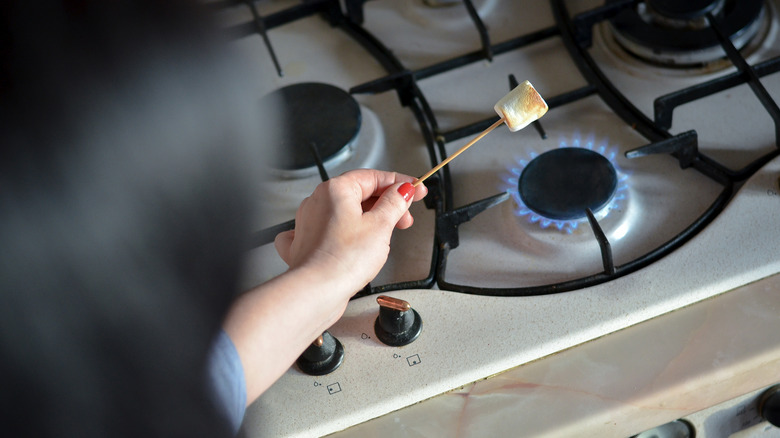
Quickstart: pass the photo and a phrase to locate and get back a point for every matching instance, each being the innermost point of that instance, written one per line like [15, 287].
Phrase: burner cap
[683, 10]
[562, 183]
[676, 33]
[316, 114]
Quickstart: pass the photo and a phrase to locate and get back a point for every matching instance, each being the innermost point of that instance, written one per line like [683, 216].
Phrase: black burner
[677, 32]
[683, 10]
[562, 183]
[313, 114]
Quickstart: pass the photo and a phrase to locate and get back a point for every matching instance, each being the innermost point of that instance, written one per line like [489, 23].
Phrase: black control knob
[323, 356]
[673, 429]
[769, 405]
[397, 324]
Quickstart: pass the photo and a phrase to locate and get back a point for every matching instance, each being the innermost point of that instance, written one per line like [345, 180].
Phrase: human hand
[343, 229]
[340, 242]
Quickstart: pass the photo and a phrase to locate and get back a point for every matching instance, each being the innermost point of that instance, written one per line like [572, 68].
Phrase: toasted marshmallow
[521, 106]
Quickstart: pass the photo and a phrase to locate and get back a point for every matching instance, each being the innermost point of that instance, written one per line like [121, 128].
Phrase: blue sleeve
[226, 382]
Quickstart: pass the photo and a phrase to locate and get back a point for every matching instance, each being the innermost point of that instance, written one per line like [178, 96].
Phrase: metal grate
[576, 35]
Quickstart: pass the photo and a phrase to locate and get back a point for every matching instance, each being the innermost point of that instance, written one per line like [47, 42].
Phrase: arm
[340, 242]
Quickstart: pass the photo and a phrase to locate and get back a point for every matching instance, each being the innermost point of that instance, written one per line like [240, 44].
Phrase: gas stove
[672, 108]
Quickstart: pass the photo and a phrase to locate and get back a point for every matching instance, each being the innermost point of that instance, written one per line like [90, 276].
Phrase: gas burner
[562, 184]
[441, 3]
[313, 116]
[445, 14]
[677, 34]
[681, 15]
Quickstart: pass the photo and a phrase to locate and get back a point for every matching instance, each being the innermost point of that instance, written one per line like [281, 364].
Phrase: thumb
[283, 244]
[392, 205]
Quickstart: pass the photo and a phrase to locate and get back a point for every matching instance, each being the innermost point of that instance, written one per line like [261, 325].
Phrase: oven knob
[397, 324]
[769, 405]
[673, 429]
[323, 356]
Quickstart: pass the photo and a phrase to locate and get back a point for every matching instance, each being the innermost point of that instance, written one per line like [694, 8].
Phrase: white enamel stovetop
[465, 338]
[462, 343]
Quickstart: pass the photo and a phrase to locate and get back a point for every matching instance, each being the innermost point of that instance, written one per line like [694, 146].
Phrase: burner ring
[680, 35]
[312, 114]
[562, 183]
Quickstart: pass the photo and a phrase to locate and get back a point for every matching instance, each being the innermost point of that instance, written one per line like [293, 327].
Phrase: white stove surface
[467, 338]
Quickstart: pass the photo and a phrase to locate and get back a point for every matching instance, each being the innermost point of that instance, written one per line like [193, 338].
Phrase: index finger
[373, 183]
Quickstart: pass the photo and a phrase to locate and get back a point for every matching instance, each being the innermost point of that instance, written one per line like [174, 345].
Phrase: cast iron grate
[576, 35]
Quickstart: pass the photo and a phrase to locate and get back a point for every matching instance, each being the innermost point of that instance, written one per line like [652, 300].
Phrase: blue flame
[510, 183]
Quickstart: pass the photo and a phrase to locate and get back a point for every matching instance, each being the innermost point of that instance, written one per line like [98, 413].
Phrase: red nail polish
[406, 190]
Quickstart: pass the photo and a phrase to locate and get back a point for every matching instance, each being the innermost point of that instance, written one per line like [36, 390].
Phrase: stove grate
[576, 33]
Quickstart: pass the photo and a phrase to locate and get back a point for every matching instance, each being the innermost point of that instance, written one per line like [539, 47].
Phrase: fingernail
[406, 190]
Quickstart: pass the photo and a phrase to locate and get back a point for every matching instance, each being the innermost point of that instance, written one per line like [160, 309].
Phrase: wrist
[334, 280]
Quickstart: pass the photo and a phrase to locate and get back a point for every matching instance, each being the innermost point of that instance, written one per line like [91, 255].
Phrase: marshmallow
[521, 106]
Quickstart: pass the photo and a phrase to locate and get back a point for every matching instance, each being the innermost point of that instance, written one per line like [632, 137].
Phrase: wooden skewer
[458, 152]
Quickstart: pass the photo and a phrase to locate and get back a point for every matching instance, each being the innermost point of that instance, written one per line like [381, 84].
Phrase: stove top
[669, 218]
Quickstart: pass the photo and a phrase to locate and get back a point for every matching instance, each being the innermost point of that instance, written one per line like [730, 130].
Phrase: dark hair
[125, 192]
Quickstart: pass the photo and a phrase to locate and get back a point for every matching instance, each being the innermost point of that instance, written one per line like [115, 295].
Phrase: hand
[343, 229]
[340, 242]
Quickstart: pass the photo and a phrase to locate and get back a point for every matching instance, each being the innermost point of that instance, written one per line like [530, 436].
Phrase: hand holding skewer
[517, 109]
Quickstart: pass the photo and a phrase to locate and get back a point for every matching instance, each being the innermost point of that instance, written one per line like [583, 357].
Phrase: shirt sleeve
[225, 379]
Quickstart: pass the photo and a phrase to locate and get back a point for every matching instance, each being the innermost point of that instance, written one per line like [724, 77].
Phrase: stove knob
[673, 429]
[769, 405]
[323, 356]
[397, 324]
